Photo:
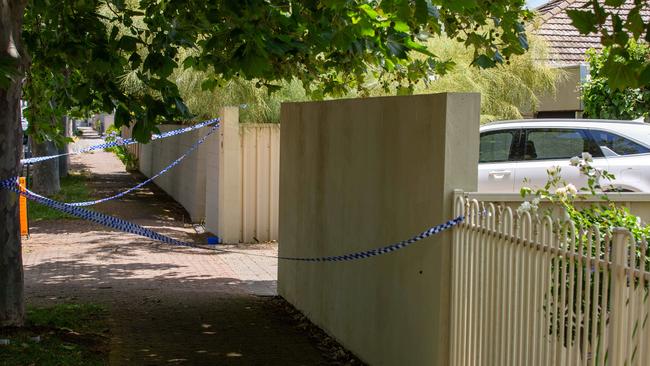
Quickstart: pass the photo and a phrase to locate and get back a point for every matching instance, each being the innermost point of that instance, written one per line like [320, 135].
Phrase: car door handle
[499, 174]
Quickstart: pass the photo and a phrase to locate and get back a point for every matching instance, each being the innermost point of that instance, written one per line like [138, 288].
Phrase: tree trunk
[64, 161]
[12, 306]
[45, 175]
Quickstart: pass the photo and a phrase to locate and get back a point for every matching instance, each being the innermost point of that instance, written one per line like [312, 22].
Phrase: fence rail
[536, 291]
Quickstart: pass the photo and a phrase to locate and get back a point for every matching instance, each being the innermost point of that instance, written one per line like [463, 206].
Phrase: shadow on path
[168, 305]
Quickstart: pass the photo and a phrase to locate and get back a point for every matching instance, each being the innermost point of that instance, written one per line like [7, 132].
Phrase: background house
[567, 51]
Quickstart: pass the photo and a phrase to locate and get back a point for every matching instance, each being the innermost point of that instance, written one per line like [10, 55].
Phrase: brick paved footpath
[168, 305]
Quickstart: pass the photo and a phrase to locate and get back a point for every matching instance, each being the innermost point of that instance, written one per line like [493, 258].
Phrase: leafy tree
[601, 101]
[507, 91]
[623, 68]
[258, 104]
[334, 44]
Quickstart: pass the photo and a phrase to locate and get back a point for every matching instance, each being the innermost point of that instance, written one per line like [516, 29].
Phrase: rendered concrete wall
[362, 173]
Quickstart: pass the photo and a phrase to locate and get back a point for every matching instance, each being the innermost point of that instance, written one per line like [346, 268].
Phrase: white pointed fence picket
[536, 291]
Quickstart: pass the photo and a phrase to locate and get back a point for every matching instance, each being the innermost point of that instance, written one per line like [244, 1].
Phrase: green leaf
[484, 61]
[209, 84]
[523, 41]
[396, 47]
[159, 64]
[408, 42]
[135, 60]
[128, 43]
[189, 62]
[583, 20]
[122, 116]
[620, 75]
[614, 3]
[635, 23]
[182, 108]
[369, 11]
[401, 27]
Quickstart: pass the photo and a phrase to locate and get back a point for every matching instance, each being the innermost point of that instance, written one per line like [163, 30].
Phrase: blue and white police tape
[129, 227]
[122, 142]
[142, 184]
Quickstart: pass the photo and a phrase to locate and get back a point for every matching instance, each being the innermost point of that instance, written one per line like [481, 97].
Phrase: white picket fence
[531, 291]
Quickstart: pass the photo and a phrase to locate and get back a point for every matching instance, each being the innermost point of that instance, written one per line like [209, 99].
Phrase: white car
[512, 151]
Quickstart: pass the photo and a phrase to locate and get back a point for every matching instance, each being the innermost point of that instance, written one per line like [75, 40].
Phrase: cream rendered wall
[361, 173]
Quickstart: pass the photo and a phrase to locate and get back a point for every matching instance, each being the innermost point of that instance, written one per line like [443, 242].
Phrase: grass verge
[68, 334]
[73, 189]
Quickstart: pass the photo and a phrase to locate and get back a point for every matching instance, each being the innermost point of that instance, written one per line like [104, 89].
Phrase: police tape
[122, 142]
[132, 228]
[142, 184]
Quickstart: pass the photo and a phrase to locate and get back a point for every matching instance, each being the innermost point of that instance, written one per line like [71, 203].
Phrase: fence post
[617, 335]
[223, 188]
[455, 290]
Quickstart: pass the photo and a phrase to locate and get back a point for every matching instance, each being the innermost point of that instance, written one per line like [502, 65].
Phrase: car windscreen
[636, 132]
[614, 144]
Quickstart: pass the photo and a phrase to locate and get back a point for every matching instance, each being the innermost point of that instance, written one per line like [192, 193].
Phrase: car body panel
[497, 177]
[632, 170]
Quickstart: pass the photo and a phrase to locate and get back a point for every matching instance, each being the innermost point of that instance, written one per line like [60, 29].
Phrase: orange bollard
[24, 228]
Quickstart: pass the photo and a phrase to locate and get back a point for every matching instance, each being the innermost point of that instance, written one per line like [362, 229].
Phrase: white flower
[524, 207]
[561, 191]
[535, 201]
[586, 156]
[554, 170]
[571, 189]
[575, 161]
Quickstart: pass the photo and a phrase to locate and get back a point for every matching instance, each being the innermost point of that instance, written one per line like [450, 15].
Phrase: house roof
[567, 45]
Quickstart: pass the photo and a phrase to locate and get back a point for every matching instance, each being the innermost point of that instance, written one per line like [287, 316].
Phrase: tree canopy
[81, 48]
[616, 29]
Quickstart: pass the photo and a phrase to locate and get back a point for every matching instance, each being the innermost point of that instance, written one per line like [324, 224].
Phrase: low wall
[358, 174]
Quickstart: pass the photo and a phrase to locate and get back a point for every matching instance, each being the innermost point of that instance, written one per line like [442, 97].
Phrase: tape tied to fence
[122, 142]
[149, 180]
[132, 228]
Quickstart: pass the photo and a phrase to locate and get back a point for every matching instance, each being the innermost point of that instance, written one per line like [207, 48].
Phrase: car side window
[617, 145]
[496, 146]
[558, 143]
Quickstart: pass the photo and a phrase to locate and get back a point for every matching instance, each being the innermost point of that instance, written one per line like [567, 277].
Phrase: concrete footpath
[168, 305]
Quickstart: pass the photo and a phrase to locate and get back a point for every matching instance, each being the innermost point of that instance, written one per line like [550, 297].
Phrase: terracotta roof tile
[567, 45]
